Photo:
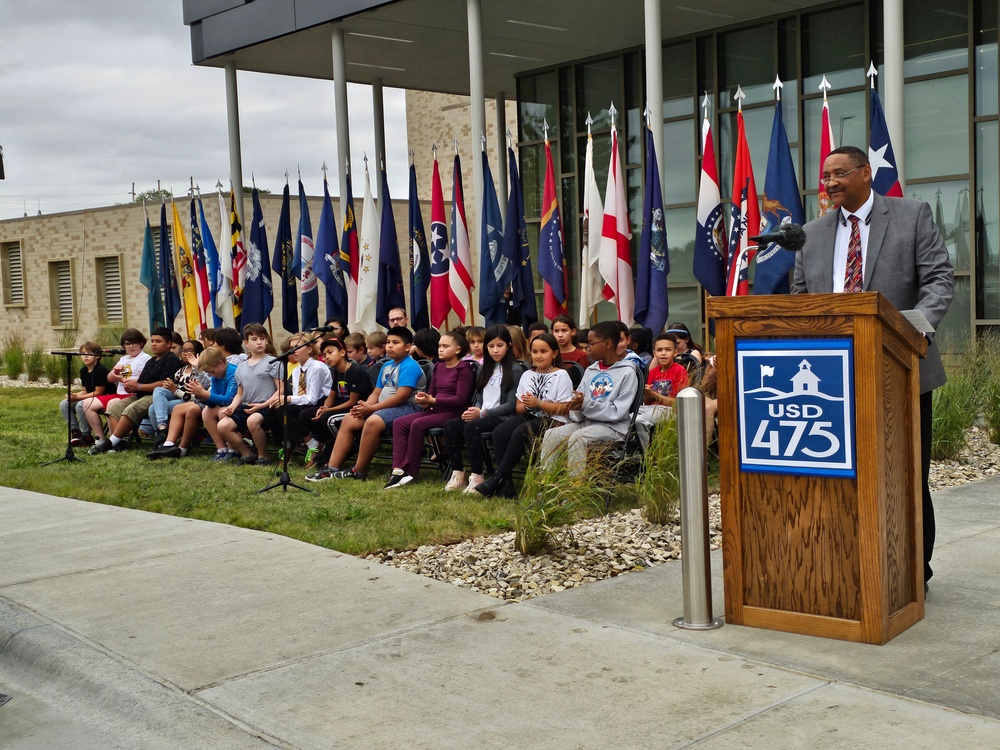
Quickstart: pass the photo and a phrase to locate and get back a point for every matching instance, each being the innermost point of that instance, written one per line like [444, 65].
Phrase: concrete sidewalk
[124, 629]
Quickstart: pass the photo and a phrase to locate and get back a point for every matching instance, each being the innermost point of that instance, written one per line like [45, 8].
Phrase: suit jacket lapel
[826, 244]
[876, 236]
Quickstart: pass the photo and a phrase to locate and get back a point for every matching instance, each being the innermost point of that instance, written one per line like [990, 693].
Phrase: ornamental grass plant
[34, 363]
[659, 486]
[13, 355]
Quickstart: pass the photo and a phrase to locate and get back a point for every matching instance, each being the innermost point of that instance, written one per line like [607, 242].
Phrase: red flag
[615, 259]
[745, 217]
[440, 306]
[826, 145]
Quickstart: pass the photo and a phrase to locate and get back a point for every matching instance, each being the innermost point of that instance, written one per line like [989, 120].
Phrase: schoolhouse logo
[796, 406]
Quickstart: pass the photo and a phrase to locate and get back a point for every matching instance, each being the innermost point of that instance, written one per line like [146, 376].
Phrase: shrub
[552, 497]
[109, 336]
[956, 405]
[55, 369]
[659, 485]
[35, 363]
[13, 355]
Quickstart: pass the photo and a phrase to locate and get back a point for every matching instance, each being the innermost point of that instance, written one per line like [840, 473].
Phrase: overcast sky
[98, 94]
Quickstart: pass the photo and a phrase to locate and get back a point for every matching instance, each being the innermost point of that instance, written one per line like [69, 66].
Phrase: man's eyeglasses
[395, 321]
[838, 176]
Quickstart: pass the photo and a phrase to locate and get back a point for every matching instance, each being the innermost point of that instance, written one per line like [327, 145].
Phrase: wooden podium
[826, 555]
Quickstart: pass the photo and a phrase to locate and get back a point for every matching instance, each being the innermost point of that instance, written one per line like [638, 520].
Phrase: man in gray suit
[888, 245]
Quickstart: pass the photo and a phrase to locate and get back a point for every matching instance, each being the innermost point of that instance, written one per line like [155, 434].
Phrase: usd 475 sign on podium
[796, 406]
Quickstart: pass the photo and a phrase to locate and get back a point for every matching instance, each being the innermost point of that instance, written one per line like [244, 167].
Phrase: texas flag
[885, 177]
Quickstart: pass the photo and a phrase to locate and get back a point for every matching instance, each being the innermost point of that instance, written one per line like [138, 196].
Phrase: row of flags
[721, 266]
[362, 275]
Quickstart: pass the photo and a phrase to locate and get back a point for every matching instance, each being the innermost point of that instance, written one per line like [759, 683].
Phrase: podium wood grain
[827, 556]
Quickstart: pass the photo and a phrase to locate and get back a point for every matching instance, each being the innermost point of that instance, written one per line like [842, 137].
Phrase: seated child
[230, 341]
[449, 395]
[176, 343]
[311, 384]
[93, 383]
[128, 366]
[357, 350]
[188, 415]
[543, 398]
[394, 396]
[624, 352]
[536, 328]
[258, 383]
[665, 381]
[165, 398]
[494, 401]
[351, 384]
[564, 329]
[127, 413]
[640, 341]
[474, 335]
[376, 345]
[603, 411]
[425, 344]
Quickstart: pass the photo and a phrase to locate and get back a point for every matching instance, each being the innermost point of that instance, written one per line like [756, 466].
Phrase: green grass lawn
[353, 517]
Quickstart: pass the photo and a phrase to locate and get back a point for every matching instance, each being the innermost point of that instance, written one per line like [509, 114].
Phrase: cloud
[101, 94]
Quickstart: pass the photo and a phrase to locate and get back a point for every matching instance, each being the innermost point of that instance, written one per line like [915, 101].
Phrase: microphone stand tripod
[284, 480]
[70, 457]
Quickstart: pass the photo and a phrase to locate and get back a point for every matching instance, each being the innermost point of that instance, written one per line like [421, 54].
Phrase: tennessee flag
[440, 262]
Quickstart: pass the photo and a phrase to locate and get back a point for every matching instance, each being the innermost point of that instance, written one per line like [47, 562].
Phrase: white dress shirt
[844, 240]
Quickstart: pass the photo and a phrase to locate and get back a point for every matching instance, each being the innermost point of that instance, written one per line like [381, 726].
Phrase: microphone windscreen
[795, 237]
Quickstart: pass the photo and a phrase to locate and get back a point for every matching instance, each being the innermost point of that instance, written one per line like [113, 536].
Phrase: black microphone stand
[284, 480]
[70, 456]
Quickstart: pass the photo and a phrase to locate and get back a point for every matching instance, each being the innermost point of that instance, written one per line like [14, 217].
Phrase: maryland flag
[239, 258]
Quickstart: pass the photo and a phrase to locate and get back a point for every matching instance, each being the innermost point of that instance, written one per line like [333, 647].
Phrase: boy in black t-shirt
[93, 383]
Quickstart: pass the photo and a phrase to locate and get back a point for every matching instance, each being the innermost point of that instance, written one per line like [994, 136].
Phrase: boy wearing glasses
[128, 366]
[93, 382]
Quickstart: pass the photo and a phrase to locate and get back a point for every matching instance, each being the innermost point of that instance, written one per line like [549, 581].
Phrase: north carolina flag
[885, 177]
[745, 217]
[440, 261]
[460, 284]
[616, 235]
[302, 264]
[551, 259]
[782, 205]
[710, 239]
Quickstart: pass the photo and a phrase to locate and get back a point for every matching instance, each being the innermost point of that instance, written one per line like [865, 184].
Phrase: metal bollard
[696, 568]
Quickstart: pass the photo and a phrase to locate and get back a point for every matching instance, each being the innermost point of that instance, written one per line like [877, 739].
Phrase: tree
[153, 196]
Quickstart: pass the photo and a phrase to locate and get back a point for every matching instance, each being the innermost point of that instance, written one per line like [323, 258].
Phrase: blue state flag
[420, 275]
[281, 264]
[214, 266]
[258, 294]
[517, 251]
[496, 271]
[326, 261]
[651, 304]
[390, 274]
[302, 264]
[150, 279]
[168, 273]
[782, 204]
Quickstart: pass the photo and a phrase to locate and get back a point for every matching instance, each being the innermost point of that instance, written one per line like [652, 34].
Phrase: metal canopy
[423, 45]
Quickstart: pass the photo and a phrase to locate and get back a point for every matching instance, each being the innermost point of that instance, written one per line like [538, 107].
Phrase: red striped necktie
[853, 277]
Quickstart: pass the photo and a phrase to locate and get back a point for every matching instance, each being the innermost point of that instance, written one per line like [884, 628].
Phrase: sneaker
[248, 460]
[263, 462]
[311, 456]
[77, 439]
[225, 454]
[349, 474]
[474, 481]
[161, 436]
[101, 446]
[165, 451]
[123, 445]
[456, 482]
[318, 476]
[396, 479]
[87, 440]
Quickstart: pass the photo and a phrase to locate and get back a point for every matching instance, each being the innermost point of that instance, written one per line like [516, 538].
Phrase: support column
[891, 89]
[378, 113]
[477, 106]
[343, 119]
[654, 80]
[500, 104]
[235, 157]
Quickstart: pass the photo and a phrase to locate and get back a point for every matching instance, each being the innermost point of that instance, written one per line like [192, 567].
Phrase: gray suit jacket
[906, 261]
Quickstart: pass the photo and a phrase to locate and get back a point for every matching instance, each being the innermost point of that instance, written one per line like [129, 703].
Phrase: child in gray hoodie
[601, 413]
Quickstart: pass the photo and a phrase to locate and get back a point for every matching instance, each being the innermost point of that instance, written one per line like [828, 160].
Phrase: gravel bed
[23, 382]
[606, 547]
